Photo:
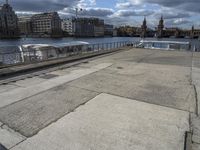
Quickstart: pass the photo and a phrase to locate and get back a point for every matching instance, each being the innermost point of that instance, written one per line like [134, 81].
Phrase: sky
[177, 13]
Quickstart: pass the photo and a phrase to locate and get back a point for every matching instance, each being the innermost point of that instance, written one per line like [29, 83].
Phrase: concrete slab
[195, 126]
[20, 94]
[196, 82]
[113, 123]
[196, 76]
[196, 60]
[34, 113]
[195, 146]
[170, 58]
[8, 87]
[29, 82]
[158, 84]
[9, 138]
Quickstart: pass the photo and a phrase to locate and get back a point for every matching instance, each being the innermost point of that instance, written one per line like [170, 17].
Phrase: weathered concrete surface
[156, 77]
[196, 80]
[164, 85]
[195, 118]
[111, 123]
[7, 87]
[196, 146]
[9, 138]
[34, 113]
[195, 125]
[196, 60]
[30, 82]
[21, 93]
[170, 58]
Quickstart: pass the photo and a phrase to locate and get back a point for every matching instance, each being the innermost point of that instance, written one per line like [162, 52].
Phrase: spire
[7, 2]
[161, 17]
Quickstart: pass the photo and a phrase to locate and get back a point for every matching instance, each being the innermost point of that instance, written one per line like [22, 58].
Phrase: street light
[77, 11]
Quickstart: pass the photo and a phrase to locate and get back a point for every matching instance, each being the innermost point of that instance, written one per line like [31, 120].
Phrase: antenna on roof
[6, 1]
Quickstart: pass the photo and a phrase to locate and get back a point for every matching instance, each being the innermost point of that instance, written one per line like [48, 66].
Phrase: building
[129, 31]
[89, 27]
[195, 33]
[46, 24]
[144, 29]
[172, 32]
[8, 22]
[25, 25]
[68, 26]
[160, 29]
[108, 30]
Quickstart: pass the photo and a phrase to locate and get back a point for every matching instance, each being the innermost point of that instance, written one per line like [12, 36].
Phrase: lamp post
[77, 11]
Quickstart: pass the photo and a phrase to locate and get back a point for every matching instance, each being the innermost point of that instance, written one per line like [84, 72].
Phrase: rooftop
[134, 99]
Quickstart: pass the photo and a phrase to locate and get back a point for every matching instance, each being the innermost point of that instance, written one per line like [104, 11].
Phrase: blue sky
[177, 13]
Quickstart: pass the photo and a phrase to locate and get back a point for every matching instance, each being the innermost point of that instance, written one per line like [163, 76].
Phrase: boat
[41, 52]
[9, 55]
[164, 45]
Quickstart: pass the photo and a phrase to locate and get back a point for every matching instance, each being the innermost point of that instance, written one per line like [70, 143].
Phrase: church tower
[192, 32]
[144, 29]
[160, 28]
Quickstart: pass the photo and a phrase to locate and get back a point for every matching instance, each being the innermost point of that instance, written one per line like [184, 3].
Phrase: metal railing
[24, 56]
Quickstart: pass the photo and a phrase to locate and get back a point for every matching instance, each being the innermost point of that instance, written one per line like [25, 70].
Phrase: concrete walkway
[136, 100]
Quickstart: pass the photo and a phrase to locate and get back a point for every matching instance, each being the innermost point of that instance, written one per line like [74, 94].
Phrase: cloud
[172, 14]
[178, 22]
[124, 5]
[88, 12]
[97, 12]
[188, 5]
[128, 13]
[121, 12]
[42, 5]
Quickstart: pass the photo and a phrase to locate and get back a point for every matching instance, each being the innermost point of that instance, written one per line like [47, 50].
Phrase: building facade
[68, 26]
[8, 22]
[195, 33]
[89, 27]
[108, 30]
[25, 25]
[46, 24]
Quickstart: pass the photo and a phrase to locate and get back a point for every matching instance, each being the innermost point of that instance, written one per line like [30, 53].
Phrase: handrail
[25, 56]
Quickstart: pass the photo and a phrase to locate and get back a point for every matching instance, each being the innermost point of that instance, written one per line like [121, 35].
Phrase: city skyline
[119, 12]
